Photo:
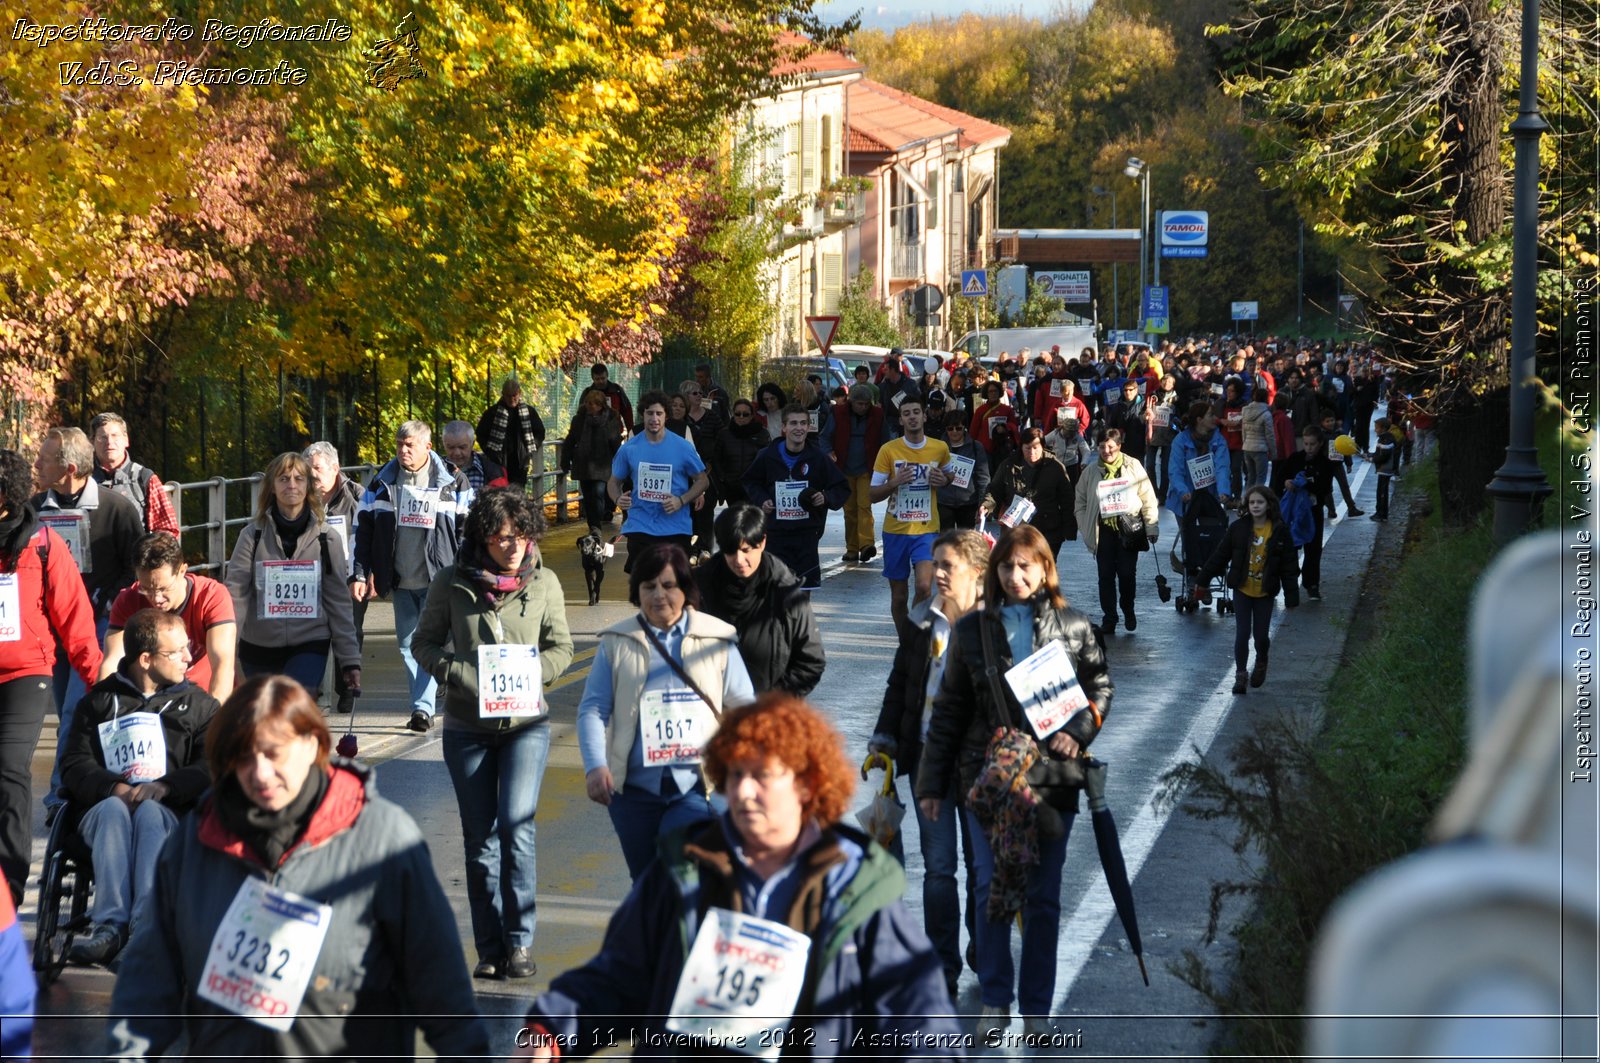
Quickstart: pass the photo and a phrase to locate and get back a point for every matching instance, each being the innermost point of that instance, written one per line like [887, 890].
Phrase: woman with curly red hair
[774, 927]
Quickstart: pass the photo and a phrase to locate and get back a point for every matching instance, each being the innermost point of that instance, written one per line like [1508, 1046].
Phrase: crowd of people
[237, 859]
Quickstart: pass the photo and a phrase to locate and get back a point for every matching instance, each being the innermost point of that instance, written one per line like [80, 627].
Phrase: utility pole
[1300, 287]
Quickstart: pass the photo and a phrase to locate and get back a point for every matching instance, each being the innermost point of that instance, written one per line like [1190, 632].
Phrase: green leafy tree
[862, 319]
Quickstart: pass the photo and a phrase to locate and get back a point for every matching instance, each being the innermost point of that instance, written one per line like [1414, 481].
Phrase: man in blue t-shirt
[655, 478]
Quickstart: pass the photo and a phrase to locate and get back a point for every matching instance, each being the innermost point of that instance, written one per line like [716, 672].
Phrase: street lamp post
[1519, 485]
[1137, 169]
[1116, 301]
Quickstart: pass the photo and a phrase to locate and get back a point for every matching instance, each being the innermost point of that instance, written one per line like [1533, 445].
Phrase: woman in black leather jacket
[1024, 614]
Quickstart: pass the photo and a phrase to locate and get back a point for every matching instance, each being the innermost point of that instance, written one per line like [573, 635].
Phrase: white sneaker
[992, 1020]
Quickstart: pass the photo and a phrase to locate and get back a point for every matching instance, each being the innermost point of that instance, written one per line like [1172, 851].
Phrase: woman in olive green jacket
[505, 616]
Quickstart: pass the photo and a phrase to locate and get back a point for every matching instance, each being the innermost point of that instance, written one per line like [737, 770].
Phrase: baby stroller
[1201, 530]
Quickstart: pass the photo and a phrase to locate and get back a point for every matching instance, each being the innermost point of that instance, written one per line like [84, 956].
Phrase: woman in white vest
[1117, 515]
[655, 695]
[287, 578]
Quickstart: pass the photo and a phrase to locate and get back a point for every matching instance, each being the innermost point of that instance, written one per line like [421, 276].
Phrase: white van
[1072, 339]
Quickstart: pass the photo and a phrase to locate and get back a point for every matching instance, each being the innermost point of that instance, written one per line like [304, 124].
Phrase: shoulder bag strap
[991, 671]
[676, 667]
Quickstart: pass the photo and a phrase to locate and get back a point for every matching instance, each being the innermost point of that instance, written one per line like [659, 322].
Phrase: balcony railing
[906, 261]
[842, 209]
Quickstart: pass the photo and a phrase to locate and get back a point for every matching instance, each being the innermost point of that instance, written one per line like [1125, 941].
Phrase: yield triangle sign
[822, 330]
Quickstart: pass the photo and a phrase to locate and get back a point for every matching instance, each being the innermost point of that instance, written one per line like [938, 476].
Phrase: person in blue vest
[411, 523]
[656, 477]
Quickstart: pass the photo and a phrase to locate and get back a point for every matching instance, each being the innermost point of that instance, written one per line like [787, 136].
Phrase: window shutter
[808, 157]
[791, 170]
[832, 282]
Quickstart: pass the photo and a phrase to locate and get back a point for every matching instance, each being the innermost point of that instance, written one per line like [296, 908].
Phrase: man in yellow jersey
[907, 472]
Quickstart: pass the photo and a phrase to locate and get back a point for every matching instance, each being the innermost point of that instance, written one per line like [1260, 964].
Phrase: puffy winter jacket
[457, 619]
[392, 951]
[874, 985]
[1184, 449]
[1255, 428]
[1087, 504]
[591, 444]
[185, 711]
[778, 636]
[965, 714]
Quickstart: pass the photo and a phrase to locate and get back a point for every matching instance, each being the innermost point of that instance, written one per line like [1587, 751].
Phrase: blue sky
[887, 14]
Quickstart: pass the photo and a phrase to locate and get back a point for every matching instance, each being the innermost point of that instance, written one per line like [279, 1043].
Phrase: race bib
[342, 526]
[135, 747]
[1116, 497]
[787, 501]
[1161, 416]
[1113, 397]
[1234, 419]
[1202, 471]
[897, 398]
[995, 424]
[510, 682]
[1018, 512]
[1055, 389]
[815, 417]
[741, 982]
[675, 725]
[10, 609]
[291, 590]
[1047, 688]
[960, 470]
[263, 954]
[654, 482]
[1216, 389]
[1067, 413]
[913, 502]
[419, 506]
[73, 527]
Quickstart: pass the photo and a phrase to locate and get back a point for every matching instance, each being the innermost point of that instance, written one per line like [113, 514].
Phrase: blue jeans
[69, 690]
[304, 664]
[941, 900]
[407, 609]
[126, 843]
[641, 817]
[497, 777]
[1041, 927]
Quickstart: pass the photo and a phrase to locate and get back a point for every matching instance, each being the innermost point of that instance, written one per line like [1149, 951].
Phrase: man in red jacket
[857, 435]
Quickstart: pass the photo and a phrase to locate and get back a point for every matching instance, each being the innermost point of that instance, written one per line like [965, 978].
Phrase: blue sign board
[1156, 317]
[1183, 252]
[974, 282]
[1184, 233]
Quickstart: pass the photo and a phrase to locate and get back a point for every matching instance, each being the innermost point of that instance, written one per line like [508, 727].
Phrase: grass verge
[1324, 808]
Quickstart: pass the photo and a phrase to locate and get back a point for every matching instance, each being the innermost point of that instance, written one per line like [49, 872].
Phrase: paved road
[1173, 697]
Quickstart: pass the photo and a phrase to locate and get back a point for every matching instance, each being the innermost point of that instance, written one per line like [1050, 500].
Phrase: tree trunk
[1472, 445]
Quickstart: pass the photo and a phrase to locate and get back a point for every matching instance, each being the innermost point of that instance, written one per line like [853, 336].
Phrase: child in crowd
[1384, 457]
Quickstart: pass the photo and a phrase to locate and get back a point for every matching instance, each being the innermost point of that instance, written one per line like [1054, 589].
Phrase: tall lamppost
[1519, 485]
[1116, 301]
[1137, 170]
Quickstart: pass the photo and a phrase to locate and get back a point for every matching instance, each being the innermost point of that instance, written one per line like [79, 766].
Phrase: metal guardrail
[551, 485]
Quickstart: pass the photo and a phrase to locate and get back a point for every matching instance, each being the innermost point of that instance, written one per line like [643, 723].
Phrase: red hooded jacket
[51, 604]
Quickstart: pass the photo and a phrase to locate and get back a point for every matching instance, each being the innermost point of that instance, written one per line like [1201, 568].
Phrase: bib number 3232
[263, 954]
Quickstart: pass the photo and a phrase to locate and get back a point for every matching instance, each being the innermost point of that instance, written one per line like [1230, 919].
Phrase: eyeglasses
[507, 542]
[742, 414]
[181, 654]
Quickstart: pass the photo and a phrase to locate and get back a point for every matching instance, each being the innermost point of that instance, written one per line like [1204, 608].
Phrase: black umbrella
[1105, 839]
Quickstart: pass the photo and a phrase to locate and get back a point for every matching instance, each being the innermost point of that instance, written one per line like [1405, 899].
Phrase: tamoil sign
[1183, 233]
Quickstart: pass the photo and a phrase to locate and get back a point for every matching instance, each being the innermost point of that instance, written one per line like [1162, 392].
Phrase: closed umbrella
[1110, 846]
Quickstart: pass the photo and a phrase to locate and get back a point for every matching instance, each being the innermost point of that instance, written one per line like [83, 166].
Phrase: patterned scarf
[474, 565]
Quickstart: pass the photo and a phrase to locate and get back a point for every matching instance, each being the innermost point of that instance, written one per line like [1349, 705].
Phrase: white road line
[1095, 909]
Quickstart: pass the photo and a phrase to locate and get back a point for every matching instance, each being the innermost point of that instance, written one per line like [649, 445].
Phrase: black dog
[594, 550]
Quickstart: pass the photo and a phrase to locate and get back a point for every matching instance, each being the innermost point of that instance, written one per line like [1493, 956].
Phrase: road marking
[1095, 908]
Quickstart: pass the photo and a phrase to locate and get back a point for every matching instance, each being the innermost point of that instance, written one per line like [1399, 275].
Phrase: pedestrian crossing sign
[974, 283]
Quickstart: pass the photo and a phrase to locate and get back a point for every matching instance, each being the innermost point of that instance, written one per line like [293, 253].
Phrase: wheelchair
[65, 888]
